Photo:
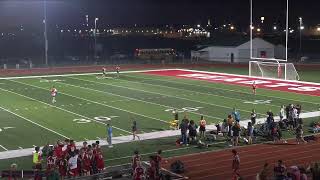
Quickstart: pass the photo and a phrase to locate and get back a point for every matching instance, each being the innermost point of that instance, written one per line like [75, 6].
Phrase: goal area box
[273, 69]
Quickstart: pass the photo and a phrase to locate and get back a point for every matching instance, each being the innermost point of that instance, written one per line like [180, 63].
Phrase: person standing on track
[109, 136]
[118, 71]
[253, 117]
[235, 164]
[134, 130]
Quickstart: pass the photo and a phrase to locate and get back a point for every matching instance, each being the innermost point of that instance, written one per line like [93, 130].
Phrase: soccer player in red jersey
[63, 166]
[86, 164]
[99, 160]
[54, 92]
[138, 173]
[136, 157]
[51, 161]
[254, 87]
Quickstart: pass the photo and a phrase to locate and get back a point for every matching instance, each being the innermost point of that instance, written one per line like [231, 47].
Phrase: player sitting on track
[254, 87]
[54, 92]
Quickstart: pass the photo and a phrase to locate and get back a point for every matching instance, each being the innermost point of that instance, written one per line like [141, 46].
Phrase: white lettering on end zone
[274, 84]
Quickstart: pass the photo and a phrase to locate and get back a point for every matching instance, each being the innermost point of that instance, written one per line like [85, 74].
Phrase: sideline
[146, 136]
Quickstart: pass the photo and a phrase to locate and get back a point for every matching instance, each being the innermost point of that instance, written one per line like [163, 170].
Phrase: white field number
[258, 102]
[185, 109]
[98, 118]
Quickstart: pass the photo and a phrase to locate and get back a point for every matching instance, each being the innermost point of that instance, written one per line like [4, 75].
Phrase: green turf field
[85, 104]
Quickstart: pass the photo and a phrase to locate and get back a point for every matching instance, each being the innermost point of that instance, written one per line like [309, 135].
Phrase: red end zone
[307, 88]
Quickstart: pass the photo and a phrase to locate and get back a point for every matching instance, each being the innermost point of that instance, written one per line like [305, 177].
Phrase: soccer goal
[275, 70]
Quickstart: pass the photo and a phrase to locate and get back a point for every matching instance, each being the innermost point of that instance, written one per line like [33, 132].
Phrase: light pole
[45, 33]
[95, 37]
[301, 27]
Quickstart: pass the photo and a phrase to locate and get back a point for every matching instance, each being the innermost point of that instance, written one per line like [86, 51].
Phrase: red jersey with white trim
[99, 161]
[254, 86]
[135, 159]
[118, 68]
[54, 92]
[138, 173]
[51, 162]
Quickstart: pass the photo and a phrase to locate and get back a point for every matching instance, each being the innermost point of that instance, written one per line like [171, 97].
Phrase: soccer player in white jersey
[54, 92]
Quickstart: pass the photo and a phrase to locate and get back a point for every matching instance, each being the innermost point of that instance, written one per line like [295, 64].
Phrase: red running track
[217, 165]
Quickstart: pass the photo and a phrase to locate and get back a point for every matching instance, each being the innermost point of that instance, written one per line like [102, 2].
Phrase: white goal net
[274, 70]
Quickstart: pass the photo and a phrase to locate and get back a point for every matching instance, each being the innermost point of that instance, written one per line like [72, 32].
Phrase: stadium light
[275, 28]
[258, 29]
[318, 29]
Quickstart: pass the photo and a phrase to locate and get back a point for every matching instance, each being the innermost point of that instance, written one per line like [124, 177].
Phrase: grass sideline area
[87, 103]
[122, 153]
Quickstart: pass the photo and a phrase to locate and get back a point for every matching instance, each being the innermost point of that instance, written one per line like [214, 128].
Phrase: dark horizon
[151, 12]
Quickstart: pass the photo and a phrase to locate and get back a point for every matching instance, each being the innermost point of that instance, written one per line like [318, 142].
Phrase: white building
[239, 51]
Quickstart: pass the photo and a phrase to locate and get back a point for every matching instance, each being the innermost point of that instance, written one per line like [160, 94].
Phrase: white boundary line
[141, 71]
[55, 132]
[78, 74]
[70, 112]
[93, 102]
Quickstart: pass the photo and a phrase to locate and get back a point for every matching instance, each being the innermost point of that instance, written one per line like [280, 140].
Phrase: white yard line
[145, 136]
[177, 97]
[97, 103]
[53, 131]
[3, 147]
[62, 109]
[134, 99]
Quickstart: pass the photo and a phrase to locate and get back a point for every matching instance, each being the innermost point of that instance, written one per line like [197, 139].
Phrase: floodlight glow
[318, 29]
[274, 27]
[302, 27]
[258, 29]
[232, 27]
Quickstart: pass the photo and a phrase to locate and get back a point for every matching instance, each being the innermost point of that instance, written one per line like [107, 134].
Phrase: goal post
[275, 70]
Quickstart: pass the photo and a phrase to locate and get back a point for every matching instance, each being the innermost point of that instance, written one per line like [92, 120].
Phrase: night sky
[152, 12]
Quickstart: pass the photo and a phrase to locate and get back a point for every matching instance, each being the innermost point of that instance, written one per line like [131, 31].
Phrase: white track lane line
[3, 146]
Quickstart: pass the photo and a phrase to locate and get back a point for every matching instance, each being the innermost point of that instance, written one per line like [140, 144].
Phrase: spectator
[303, 173]
[264, 173]
[253, 117]
[236, 115]
[230, 123]
[99, 160]
[280, 171]
[295, 117]
[51, 163]
[235, 163]
[315, 171]
[63, 167]
[97, 145]
[109, 136]
[136, 157]
[152, 169]
[13, 169]
[281, 113]
[225, 127]
[158, 160]
[250, 132]
[138, 173]
[202, 128]
[135, 130]
[192, 130]
[37, 159]
[299, 135]
[184, 128]
[236, 133]
[299, 109]
[175, 114]
[73, 164]
[86, 163]
[84, 147]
